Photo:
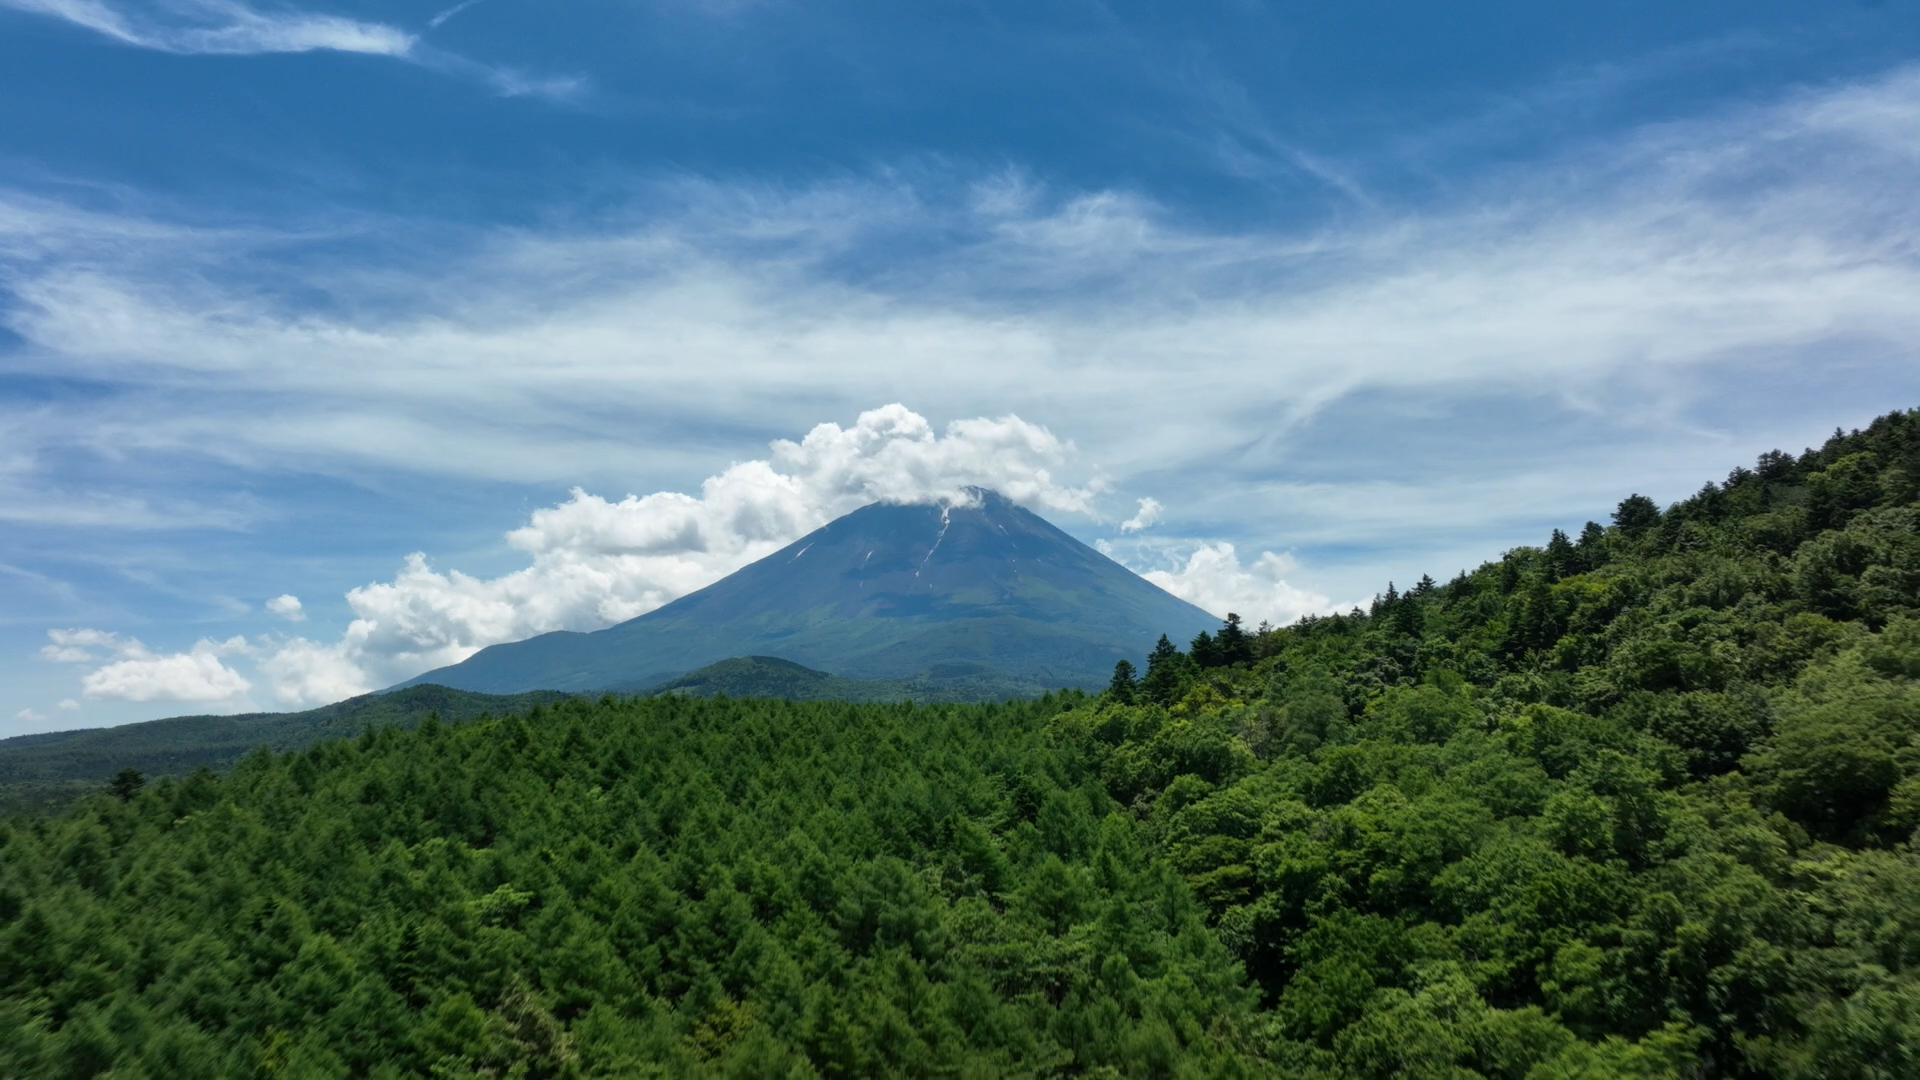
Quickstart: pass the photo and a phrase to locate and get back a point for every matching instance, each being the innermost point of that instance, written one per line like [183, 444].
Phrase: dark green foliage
[127, 783]
[1640, 804]
[662, 886]
[1232, 643]
[1168, 672]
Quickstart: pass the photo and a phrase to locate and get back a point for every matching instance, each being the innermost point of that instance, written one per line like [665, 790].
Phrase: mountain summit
[884, 592]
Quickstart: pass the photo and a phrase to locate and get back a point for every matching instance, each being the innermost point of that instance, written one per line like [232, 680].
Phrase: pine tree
[1232, 646]
[1562, 560]
[1204, 651]
[1123, 683]
[1168, 671]
[1635, 515]
[127, 783]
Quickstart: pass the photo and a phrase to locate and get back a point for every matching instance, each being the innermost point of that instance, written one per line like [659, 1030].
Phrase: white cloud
[231, 28]
[68, 705]
[1781, 232]
[448, 13]
[596, 562]
[1213, 579]
[302, 672]
[1784, 235]
[79, 646]
[1147, 516]
[287, 606]
[137, 673]
[222, 26]
[29, 715]
[195, 675]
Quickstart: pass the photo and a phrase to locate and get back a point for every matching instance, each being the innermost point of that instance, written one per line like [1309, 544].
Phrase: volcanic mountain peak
[886, 591]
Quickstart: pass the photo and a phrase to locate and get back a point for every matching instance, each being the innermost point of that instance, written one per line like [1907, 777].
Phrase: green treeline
[1640, 802]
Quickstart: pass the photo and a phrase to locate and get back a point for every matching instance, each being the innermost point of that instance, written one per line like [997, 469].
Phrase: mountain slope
[772, 677]
[884, 592]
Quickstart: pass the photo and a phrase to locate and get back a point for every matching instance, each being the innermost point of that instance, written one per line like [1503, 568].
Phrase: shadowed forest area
[1639, 802]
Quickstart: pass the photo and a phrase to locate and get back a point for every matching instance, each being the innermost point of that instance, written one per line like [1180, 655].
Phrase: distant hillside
[43, 770]
[772, 677]
[883, 593]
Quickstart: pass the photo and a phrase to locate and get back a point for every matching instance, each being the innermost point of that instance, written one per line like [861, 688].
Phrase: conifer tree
[1204, 651]
[1123, 683]
[1232, 646]
[1168, 670]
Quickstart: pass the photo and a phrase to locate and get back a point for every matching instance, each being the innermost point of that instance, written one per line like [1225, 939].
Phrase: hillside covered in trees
[1639, 802]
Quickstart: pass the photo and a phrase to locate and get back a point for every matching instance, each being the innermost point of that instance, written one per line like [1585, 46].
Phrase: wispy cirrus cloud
[652, 342]
[525, 355]
[222, 27]
[230, 28]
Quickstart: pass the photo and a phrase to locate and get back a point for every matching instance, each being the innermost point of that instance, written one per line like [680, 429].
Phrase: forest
[1639, 802]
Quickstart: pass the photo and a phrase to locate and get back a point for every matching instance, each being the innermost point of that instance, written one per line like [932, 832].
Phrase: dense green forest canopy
[1639, 802]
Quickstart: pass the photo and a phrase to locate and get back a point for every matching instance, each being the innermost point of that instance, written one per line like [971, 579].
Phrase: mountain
[772, 677]
[48, 769]
[882, 593]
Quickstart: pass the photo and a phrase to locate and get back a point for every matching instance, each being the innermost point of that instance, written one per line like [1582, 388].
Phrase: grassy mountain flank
[1641, 802]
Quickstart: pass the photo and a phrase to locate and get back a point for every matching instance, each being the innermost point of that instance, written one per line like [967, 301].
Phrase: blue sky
[289, 293]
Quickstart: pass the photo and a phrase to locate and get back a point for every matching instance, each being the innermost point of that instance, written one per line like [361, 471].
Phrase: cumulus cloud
[68, 705]
[196, 675]
[1213, 579]
[303, 672]
[287, 606]
[137, 673]
[595, 562]
[1147, 516]
[29, 715]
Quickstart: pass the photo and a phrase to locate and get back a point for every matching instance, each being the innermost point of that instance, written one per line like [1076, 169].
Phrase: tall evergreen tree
[1168, 671]
[1592, 546]
[1562, 560]
[1204, 651]
[1635, 515]
[1232, 645]
[1123, 684]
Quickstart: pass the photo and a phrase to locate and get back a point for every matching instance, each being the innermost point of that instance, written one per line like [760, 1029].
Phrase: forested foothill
[1639, 802]
[51, 770]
